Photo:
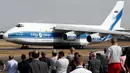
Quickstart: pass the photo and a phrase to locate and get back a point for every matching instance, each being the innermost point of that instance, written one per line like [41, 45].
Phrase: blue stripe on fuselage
[40, 35]
[32, 35]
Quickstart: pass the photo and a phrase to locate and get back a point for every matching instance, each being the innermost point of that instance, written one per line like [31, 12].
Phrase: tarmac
[7, 48]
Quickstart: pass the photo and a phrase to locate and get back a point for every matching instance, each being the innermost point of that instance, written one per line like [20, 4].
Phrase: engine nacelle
[69, 36]
[93, 38]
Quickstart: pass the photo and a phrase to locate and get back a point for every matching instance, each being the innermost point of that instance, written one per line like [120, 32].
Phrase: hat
[54, 51]
[43, 52]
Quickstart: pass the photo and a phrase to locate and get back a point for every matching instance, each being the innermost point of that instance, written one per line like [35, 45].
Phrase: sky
[87, 12]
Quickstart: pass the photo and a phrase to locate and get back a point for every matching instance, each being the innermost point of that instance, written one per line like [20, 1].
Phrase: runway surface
[11, 46]
[7, 48]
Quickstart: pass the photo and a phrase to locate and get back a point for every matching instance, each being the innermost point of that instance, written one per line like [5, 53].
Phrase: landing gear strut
[78, 46]
[24, 47]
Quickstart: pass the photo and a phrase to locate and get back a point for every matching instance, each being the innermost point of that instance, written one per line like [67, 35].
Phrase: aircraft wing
[125, 30]
[89, 30]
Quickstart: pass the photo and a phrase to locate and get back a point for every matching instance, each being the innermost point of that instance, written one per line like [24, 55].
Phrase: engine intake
[93, 39]
[89, 38]
[70, 36]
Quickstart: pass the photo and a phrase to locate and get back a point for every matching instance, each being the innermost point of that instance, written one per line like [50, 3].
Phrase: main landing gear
[68, 46]
[24, 47]
[79, 46]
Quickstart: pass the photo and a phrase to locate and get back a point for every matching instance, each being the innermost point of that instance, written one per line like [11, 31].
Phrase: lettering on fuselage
[40, 34]
[34, 34]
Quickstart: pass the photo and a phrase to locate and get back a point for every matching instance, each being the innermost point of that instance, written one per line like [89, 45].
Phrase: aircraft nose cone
[5, 36]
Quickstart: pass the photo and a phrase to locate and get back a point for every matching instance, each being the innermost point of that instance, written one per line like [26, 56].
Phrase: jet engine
[93, 38]
[69, 36]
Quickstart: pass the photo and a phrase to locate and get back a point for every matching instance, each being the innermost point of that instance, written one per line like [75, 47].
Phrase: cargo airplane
[65, 35]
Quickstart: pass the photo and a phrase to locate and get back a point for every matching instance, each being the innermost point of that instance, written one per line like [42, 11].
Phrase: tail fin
[113, 20]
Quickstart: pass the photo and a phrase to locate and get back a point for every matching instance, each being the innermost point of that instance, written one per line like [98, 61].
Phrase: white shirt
[62, 65]
[80, 69]
[53, 62]
[114, 52]
[70, 57]
[12, 66]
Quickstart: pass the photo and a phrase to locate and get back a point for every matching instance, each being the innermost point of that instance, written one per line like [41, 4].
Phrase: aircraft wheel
[61, 47]
[24, 47]
[81, 46]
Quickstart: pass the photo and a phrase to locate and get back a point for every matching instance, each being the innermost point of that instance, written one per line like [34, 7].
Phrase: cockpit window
[19, 25]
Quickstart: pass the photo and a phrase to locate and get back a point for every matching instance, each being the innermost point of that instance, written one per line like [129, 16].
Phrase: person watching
[79, 66]
[113, 55]
[36, 66]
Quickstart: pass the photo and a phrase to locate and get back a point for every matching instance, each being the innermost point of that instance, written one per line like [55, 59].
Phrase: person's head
[11, 57]
[98, 55]
[113, 41]
[79, 61]
[43, 54]
[35, 54]
[54, 52]
[90, 55]
[72, 50]
[30, 54]
[61, 54]
[23, 57]
[76, 54]
[93, 55]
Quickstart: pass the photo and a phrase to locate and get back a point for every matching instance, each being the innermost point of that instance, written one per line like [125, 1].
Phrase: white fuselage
[42, 34]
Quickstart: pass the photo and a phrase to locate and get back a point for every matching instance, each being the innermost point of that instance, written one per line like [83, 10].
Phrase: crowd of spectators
[113, 60]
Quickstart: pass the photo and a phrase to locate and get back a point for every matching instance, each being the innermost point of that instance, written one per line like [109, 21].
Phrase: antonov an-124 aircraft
[65, 35]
